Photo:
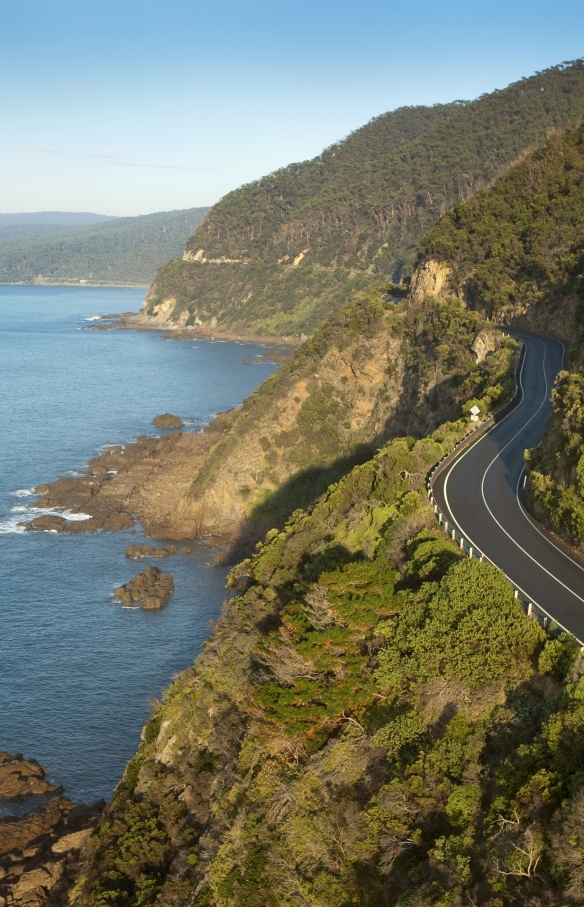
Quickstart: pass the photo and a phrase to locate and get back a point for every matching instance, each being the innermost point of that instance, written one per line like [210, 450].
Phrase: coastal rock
[167, 420]
[148, 477]
[185, 549]
[21, 777]
[46, 523]
[150, 589]
[139, 552]
[40, 851]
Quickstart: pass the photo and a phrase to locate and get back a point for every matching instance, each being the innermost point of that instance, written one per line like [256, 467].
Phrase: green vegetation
[373, 371]
[520, 244]
[68, 248]
[374, 721]
[358, 211]
[555, 488]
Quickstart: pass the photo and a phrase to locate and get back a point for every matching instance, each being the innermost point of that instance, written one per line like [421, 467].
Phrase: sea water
[77, 669]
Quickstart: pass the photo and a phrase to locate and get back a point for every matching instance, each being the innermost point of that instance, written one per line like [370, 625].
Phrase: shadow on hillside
[302, 490]
[299, 492]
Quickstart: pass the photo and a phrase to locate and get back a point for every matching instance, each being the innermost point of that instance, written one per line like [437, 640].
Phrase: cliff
[374, 371]
[276, 257]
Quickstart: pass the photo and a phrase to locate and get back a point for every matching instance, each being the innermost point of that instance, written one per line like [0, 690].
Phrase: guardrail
[531, 608]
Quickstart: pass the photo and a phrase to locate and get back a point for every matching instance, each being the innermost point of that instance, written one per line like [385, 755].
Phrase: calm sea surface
[77, 669]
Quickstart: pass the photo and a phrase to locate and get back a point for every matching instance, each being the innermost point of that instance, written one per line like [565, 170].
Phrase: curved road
[480, 494]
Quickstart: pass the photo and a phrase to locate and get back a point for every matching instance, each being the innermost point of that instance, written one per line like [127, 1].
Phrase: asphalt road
[480, 493]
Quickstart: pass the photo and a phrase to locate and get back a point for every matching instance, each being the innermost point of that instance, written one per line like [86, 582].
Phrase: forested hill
[515, 252]
[55, 247]
[279, 255]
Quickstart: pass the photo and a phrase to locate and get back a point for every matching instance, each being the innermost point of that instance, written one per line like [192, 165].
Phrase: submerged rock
[139, 552]
[167, 420]
[150, 589]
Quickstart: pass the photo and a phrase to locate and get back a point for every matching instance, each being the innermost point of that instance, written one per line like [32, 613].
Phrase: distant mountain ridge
[63, 247]
[279, 255]
[54, 218]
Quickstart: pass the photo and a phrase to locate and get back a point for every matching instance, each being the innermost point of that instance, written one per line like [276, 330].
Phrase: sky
[124, 107]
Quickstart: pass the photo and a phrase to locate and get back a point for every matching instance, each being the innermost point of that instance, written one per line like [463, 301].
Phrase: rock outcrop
[21, 777]
[48, 522]
[150, 590]
[167, 420]
[483, 343]
[429, 280]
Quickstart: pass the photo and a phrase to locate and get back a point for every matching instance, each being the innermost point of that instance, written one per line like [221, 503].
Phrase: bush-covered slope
[121, 250]
[279, 255]
[373, 371]
[373, 721]
[555, 487]
[516, 250]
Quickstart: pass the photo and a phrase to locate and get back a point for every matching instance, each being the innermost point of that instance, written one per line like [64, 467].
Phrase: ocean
[76, 669]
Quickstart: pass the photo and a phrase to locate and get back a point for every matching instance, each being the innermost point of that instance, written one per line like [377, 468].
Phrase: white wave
[23, 492]
[51, 511]
[10, 526]
[93, 318]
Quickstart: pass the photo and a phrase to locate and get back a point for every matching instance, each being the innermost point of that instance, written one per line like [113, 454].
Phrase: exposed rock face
[483, 343]
[139, 552]
[21, 777]
[167, 420]
[150, 589]
[429, 279]
[40, 852]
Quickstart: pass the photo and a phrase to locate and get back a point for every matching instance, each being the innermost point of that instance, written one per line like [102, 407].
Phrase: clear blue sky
[130, 107]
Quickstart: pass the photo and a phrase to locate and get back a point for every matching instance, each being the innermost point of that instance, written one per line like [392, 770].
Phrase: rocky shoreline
[142, 482]
[40, 851]
[279, 349]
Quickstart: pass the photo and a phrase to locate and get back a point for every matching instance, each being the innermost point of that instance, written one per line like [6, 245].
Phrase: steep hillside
[372, 722]
[371, 372]
[516, 251]
[62, 249]
[279, 255]
[555, 486]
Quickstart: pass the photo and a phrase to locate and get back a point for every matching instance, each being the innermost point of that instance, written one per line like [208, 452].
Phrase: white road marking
[535, 561]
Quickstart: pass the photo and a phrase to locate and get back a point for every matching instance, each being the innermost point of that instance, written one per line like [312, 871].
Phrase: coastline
[139, 322]
[74, 283]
